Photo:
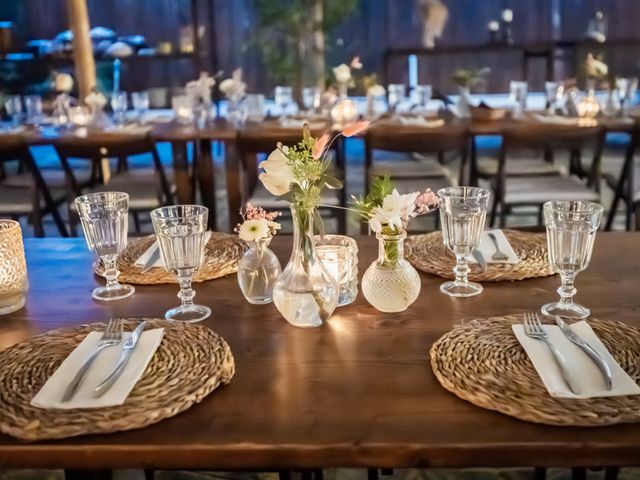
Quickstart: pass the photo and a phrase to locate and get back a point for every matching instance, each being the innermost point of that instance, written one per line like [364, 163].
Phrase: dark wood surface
[357, 392]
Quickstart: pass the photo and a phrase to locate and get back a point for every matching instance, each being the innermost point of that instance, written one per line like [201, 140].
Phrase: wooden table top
[357, 392]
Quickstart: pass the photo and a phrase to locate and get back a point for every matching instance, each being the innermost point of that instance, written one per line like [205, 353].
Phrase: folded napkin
[146, 255]
[421, 122]
[299, 123]
[487, 248]
[50, 395]
[9, 130]
[555, 119]
[581, 368]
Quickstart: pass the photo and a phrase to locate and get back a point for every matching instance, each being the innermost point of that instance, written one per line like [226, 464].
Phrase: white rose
[63, 82]
[342, 73]
[226, 86]
[277, 176]
[376, 91]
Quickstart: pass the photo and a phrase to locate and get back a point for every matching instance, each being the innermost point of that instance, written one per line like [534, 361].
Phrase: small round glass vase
[391, 284]
[258, 270]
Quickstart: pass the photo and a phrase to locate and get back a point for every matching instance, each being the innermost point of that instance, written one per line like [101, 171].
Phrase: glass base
[454, 289]
[117, 292]
[189, 314]
[571, 310]
[11, 303]
[259, 300]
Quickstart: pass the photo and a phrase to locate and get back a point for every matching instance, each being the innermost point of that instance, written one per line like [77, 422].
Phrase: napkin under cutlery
[581, 368]
[148, 253]
[555, 119]
[50, 395]
[487, 249]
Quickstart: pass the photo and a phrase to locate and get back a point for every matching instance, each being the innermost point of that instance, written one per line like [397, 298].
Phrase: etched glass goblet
[105, 220]
[180, 232]
[462, 213]
[571, 232]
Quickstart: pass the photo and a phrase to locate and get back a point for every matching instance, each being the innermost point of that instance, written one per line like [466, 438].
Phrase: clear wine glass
[140, 103]
[518, 95]
[311, 99]
[105, 219]
[571, 232]
[553, 92]
[395, 95]
[13, 107]
[33, 107]
[283, 97]
[119, 105]
[462, 213]
[420, 97]
[180, 231]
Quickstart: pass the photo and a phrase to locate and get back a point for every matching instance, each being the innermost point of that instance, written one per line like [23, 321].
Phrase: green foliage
[470, 77]
[380, 188]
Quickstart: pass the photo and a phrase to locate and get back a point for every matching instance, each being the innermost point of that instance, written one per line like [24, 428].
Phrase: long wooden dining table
[356, 392]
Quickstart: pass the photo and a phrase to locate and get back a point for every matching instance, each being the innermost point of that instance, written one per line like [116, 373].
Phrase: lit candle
[493, 26]
[339, 255]
[507, 15]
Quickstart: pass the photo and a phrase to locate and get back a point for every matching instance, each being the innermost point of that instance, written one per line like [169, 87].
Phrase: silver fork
[111, 336]
[498, 255]
[533, 329]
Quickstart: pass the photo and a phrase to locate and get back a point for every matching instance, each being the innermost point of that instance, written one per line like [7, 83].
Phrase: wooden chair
[26, 193]
[147, 188]
[627, 186]
[255, 140]
[535, 189]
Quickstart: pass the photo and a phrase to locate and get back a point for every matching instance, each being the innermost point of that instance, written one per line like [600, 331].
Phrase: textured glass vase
[13, 268]
[391, 284]
[305, 294]
[258, 270]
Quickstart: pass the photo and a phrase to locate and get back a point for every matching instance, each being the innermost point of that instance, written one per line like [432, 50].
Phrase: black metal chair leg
[539, 473]
[149, 474]
[373, 474]
[578, 473]
[611, 473]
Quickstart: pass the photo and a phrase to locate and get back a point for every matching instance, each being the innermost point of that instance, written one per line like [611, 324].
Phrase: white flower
[252, 230]
[226, 86]
[273, 225]
[375, 224]
[376, 91]
[277, 176]
[95, 100]
[63, 82]
[396, 211]
[595, 68]
[342, 73]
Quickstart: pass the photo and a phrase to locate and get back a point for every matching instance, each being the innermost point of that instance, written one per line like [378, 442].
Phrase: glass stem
[566, 289]
[110, 271]
[186, 293]
[461, 269]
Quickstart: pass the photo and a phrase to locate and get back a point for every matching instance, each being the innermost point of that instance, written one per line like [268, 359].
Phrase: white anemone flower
[253, 230]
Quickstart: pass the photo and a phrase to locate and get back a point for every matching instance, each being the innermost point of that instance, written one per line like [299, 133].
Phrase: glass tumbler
[180, 232]
[571, 232]
[553, 92]
[395, 95]
[254, 106]
[420, 97]
[13, 268]
[462, 214]
[13, 108]
[140, 103]
[339, 255]
[311, 99]
[105, 220]
[119, 105]
[518, 96]
[283, 97]
[33, 107]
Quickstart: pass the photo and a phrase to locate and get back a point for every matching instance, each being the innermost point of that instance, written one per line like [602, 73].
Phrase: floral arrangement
[469, 78]
[234, 88]
[595, 68]
[200, 89]
[257, 224]
[343, 73]
[63, 83]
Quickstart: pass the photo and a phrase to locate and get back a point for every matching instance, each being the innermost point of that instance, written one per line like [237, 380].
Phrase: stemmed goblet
[283, 97]
[571, 232]
[180, 232]
[462, 213]
[105, 219]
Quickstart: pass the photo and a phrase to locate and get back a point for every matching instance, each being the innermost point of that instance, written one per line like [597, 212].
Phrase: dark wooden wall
[376, 26]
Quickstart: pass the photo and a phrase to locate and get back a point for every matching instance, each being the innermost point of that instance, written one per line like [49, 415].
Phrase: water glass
[420, 97]
[553, 92]
[626, 88]
[462, 214]
[518, 96]
[311, 99]
[33, 106]
[13, 108]
[395, 95]
[105, 220]
[180, 232]
[119, 105]
[182, 106]
[13, 268]
[571, 232]
[283, 97]
[339, 255]
[140, 103]
[254, 106]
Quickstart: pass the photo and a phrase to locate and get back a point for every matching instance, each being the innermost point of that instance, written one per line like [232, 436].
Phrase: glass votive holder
[339, 255]
[13, 268]
[182, 106]
[254, 104]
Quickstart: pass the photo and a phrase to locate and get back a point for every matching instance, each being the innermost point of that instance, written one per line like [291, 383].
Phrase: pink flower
[356, 64]
[426, 201]
[355, 128]
[320, 146]
[258, 213]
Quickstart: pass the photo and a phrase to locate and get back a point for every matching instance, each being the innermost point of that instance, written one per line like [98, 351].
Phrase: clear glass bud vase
[391, 284]
[258, 271]
[305, 294]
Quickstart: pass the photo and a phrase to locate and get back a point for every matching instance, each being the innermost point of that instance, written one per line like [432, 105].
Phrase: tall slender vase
[305, 294]
[391, 283]
[463, 104]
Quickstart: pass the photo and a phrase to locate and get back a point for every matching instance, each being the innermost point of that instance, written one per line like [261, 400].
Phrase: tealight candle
[339, 255]
[182, 108]
[493, 26]
[80, 116]
[507, 15]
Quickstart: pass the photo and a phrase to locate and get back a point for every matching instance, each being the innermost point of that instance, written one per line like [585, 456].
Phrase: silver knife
[586, 348]
[155, 256]
[477, 254]
[127, 350]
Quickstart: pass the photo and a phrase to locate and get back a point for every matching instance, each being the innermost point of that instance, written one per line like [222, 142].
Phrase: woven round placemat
[190, 363]
[481, 361]
[428, 253]
[221, 256]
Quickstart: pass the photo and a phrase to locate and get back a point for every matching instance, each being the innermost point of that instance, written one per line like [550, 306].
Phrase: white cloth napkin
[421, 122]
[555, 119]
[487, 248]
[50, 395]
[581, 368]
[146, 255]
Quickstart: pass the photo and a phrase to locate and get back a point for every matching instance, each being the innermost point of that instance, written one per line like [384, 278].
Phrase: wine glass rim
[567, 206]
[449, 192]
[91, 197]
[202, 211]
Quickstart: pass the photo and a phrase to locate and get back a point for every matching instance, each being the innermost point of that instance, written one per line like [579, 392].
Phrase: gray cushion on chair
[519, 166]
[52, 178]
[262, 198]
[407, 168]
[407, 185]
[14, 201]
[537, 190]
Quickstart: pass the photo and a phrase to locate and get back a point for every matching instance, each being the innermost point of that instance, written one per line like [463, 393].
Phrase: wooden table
[357, 392]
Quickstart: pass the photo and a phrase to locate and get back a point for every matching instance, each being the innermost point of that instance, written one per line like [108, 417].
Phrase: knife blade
[127, 349]
[477, 255]
[155, 256]
[586, 348]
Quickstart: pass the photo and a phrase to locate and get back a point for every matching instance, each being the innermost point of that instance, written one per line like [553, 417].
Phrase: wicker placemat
[221, 256]
[428, 253]
[190, 363]
[481, 361]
